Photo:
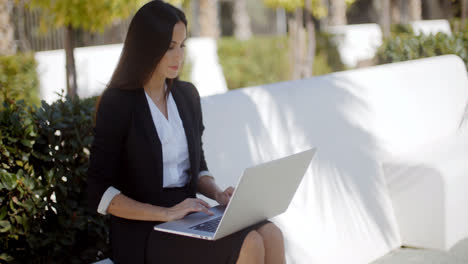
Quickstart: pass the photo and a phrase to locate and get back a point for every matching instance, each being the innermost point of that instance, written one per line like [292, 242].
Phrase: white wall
[361, 41]
[206, 74]
[95, 65]
[427, 27]
[356, 42]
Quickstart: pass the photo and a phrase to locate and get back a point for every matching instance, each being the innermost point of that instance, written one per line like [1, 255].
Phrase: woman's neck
[155, 87]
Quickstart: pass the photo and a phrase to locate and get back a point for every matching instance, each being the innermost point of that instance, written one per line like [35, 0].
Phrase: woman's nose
[180, 54]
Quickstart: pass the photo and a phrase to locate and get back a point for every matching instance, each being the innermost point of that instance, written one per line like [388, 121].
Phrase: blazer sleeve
[112, 121]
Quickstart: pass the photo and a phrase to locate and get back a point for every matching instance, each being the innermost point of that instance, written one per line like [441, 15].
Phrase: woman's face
[171, 62]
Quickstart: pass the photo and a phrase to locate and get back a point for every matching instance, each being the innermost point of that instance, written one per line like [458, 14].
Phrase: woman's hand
[223, 197]
[189, 205]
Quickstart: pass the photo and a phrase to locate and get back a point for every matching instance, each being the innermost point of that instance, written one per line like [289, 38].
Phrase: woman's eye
[183, 46]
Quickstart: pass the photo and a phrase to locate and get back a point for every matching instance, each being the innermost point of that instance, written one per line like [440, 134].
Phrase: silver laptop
[263, 191]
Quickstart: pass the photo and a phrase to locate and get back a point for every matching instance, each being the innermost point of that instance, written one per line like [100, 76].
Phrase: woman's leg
[252, 250]
[273, 243]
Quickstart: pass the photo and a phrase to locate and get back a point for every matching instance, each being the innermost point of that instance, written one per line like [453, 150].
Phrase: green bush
[266, 59]
[18, 78]
[456, 25]
[409, 47]
[20, 191]
[43, 164]
[256, 61]
[401, 29]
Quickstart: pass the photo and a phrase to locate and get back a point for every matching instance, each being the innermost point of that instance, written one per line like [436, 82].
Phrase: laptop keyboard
[208, 226]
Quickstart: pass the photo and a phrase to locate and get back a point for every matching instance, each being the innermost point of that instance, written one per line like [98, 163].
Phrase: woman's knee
[254, 241]
[270, 232]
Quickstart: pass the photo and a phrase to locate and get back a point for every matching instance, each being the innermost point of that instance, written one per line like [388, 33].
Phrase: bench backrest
[341, 212]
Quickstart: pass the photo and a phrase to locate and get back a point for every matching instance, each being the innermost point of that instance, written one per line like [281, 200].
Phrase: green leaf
[12, 140]
[5, 226]
[9, 180]
[3, 212]
[6, 257]
[27, 143]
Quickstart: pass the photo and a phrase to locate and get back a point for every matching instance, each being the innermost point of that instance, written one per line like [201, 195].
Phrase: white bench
[348, 209]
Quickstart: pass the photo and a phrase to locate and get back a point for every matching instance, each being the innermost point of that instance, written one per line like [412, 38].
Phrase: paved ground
[457, 255]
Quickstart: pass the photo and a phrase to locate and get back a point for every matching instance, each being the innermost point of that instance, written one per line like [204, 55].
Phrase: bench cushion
[431, 183]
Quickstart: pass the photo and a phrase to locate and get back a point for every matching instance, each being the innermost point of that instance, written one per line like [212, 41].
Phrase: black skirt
[163, 247]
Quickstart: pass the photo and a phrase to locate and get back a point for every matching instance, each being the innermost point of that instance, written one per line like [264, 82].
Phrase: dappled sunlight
[418, 192]
[343, 195]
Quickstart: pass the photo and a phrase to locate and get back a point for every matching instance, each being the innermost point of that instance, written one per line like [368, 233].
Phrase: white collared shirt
[173, 142]
[174, 145]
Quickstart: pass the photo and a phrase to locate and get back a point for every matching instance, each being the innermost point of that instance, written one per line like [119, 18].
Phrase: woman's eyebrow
[176, 41]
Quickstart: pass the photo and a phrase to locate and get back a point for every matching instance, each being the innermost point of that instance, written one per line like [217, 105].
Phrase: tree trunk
[383, 10]
[70, 62]
[414, 10]
[309, 59]
[23, 40]
[242, 29]
[7, 40]
[395, 11]
[281, 21]
[464, 13]
[325, 21]
[434, 9]
[337, 12]
[208, 17]
[297, 43]
[195, 28]
[404, 11]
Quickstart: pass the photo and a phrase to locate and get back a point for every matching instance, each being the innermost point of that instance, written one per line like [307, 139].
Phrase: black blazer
[126, 153]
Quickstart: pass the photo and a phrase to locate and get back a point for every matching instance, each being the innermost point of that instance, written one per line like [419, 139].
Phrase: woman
[147, 161]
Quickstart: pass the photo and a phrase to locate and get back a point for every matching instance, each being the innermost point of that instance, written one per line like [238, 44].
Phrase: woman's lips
[175, 68]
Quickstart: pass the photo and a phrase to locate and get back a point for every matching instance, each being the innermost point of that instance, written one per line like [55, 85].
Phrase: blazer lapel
[187, 122]
[145, 118]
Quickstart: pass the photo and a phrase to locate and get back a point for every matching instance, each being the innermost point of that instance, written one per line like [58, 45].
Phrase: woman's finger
[230, 191]
[198, 205]
[201, 207]
[224, 198]
[203, 203]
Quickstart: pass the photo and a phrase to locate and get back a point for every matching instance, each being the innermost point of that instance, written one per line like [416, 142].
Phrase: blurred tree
[464, 11]
[404, 11]
[414, 10]
[242, 29]
[434, 9]
[303, 49]
[7, 41]
[208, 18]
[383, 10]
[337, 12]
[87, 15]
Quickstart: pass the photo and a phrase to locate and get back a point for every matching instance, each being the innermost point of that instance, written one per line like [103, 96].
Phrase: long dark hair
[148, 38]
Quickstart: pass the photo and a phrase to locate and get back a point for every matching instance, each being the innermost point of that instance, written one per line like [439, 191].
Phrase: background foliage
[408, 46]
[265, 59]
[18, 78]
[87, 15]
[43, 164]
